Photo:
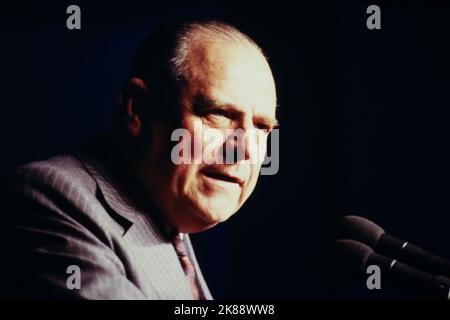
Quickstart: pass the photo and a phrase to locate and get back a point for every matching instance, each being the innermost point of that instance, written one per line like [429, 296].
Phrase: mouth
[222, 176]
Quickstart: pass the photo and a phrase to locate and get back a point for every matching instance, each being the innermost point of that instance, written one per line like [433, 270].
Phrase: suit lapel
[149, 253]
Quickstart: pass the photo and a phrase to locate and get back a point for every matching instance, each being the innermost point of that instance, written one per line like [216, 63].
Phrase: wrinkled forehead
[228, 71]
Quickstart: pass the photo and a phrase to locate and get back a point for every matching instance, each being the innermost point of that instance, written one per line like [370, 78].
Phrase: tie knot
[179, 245]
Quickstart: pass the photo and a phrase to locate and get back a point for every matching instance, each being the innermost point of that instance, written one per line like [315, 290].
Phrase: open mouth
[221, 176]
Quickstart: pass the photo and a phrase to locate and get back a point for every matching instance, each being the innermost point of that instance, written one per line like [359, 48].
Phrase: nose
[238, 144]
[242, 144]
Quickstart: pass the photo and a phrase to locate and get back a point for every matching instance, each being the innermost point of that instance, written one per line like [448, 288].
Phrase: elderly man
[111, 220]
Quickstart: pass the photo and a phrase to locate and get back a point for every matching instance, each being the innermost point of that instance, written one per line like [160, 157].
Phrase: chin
[204, 220]
[206, 212]
[215, 213]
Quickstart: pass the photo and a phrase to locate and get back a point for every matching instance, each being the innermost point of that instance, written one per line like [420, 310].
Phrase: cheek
[194, 130]
[184, 179]
[197, 148]
[254, 176]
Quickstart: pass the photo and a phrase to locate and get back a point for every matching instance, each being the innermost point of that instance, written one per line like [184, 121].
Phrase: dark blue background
[364, 121]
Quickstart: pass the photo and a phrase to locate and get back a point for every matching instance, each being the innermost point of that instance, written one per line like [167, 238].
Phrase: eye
[217, 112]
[218, 116]
[263, 126]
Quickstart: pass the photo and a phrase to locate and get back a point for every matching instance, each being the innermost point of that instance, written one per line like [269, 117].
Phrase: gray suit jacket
[68, 210]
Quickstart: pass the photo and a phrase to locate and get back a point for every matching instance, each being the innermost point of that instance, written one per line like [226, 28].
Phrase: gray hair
[213, 30]
[161, 60]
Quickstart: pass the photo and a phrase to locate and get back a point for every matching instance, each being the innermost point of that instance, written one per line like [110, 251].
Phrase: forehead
[234, 73]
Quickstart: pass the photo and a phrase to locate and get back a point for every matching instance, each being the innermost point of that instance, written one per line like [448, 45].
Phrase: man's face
[228, 86]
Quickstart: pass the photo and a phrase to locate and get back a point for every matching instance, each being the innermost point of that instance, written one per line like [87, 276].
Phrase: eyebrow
[203, 103]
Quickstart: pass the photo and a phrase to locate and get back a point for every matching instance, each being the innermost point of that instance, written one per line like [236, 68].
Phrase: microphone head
[352, 251]
[360, 229]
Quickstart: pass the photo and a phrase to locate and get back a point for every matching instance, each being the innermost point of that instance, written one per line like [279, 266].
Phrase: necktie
[187, 265]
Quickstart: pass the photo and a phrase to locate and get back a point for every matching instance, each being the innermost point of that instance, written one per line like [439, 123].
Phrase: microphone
[366, 231]
[393, 272]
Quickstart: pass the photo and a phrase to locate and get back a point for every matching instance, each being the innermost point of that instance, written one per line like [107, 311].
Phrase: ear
[132, 103]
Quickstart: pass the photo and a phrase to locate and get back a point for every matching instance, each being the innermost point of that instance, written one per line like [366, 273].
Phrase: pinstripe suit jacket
[69, 210]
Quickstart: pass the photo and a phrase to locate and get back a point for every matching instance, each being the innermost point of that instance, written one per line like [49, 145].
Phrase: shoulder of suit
[63, 170]
[64, 186]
